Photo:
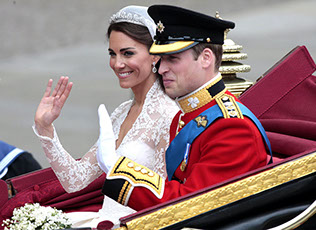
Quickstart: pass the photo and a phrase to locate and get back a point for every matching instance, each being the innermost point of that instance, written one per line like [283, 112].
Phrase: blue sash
[179, 147]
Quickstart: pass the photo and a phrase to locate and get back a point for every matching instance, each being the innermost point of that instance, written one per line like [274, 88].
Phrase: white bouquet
[34, 216]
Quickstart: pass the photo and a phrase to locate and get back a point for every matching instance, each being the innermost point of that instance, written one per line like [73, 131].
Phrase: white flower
[193, 102]
[34, 216]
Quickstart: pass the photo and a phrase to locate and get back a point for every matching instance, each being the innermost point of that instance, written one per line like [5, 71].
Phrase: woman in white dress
[140, 125]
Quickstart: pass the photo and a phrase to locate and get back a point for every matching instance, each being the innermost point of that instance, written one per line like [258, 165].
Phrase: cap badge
[160, 27]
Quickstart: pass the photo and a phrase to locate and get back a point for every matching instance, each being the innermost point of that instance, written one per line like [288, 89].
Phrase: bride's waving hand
[51, 105]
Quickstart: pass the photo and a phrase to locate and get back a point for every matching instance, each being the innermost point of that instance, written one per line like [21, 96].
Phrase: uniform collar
[202, 95]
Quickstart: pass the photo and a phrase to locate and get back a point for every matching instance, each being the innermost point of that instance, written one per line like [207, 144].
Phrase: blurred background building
[48, 39]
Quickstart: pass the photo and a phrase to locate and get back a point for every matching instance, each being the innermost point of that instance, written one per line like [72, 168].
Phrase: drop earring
[154, 69]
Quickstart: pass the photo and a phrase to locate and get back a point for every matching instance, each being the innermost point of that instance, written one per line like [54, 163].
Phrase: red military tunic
[227, 148]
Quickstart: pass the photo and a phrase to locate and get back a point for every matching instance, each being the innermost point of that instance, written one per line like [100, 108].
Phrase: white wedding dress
[145, 143]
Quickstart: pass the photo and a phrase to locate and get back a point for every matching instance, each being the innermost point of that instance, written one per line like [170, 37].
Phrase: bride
[140, 125]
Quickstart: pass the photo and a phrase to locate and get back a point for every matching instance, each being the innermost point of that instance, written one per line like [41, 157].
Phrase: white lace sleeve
[74, 175]
[149, 134]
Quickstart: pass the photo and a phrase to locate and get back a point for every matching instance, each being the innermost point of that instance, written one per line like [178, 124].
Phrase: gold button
[181, 124]
[232, 113]
[137, 168]
[130, 164]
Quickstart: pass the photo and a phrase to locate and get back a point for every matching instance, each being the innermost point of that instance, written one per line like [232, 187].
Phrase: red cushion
[43, 187]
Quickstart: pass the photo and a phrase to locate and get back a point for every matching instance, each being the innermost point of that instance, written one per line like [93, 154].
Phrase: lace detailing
[148, 137]
[151, 128]
[74, 175]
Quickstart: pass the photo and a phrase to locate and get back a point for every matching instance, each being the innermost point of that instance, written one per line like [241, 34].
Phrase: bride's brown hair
[137, 32]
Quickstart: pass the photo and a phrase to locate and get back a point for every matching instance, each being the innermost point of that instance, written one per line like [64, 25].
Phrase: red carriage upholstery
[284, 102]
[43, 187]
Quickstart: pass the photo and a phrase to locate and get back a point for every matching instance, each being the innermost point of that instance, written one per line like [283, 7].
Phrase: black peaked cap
[179, 24]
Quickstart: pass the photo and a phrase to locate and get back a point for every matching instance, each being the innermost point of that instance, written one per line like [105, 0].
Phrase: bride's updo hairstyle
[135, 22]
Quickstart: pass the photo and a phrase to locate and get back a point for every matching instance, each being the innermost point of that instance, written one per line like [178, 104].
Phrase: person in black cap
[213, 137]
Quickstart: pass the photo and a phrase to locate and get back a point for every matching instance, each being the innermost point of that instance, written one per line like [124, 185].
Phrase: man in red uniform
[213, 137]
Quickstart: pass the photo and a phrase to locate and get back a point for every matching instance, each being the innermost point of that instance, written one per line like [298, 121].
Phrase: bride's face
[129, 59]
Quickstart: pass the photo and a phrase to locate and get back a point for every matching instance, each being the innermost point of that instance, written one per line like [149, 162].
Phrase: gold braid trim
[198, 99]
[123, 193]
[126, 193]
[227, 194]
[136, 175]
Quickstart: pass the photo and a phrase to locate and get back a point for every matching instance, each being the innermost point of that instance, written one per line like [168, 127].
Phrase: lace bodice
[145, 142]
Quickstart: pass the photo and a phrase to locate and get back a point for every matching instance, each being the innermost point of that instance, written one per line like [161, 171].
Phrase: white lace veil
[137, 15]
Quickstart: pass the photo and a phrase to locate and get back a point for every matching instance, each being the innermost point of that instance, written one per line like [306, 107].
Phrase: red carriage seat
[43, 187]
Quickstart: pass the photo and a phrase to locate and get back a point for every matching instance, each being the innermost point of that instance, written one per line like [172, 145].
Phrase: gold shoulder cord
[229, 107]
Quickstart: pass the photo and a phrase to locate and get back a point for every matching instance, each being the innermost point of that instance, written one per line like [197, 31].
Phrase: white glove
[106, 154]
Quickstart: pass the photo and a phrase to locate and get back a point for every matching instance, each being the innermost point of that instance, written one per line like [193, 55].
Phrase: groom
[213, 137]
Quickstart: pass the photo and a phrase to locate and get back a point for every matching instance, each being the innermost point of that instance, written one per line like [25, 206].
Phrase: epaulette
[229, 107]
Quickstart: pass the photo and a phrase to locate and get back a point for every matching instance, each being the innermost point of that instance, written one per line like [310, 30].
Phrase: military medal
[185, 158]
[183, 165]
